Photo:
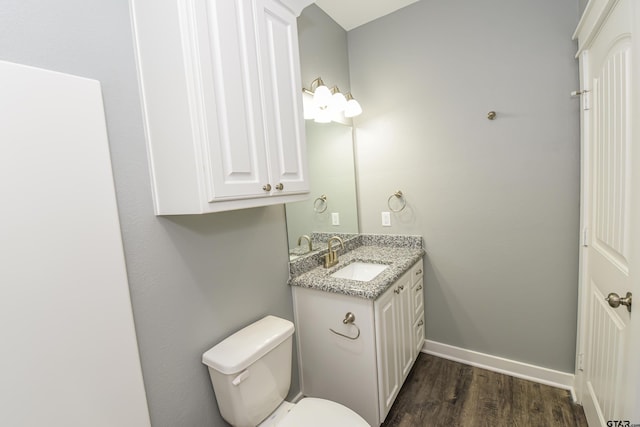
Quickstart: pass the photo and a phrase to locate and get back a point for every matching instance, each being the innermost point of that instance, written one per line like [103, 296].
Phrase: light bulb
[322, 96]
[338, 102]
[353, 108]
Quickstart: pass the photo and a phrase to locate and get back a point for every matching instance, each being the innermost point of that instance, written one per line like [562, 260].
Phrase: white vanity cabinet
[365, 373]
[222, 103]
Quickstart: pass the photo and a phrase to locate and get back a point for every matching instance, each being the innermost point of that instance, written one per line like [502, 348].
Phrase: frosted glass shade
[353, 108]
[322, 97]
[338, 102]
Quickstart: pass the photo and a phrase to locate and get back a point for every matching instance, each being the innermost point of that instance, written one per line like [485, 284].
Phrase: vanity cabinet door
[397, 333]
[405, 325]
[334, 366]
[417, 296]
[387, 346]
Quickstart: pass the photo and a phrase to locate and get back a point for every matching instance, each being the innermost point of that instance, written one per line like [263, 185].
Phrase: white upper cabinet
[222, 103]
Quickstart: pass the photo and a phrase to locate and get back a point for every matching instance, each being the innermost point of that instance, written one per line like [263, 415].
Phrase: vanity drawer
[417, 295]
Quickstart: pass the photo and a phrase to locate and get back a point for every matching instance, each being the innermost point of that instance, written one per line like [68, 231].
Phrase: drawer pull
[419, 288]
[349, 318]
[419, 272]
[421, 322]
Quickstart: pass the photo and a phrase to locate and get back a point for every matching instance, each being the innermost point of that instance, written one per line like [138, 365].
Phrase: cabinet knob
[401, 287]
[280, 187]
[267, 187]
[419, 272]
[396, 290]
[419, 288]
[421, 322]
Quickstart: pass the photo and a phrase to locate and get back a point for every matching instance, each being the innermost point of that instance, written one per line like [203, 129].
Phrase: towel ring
[349, 318]
[320, 204]
[398, 194]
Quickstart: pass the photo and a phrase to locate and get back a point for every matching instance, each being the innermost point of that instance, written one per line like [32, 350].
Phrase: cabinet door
[332, 366]
[282, 89]
[405, 325]
[386, 309]
[418, 336]
[225, 97]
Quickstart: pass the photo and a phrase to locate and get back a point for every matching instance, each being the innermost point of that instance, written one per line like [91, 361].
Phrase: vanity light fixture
[324, 105]
[353, 107]
[322, 115]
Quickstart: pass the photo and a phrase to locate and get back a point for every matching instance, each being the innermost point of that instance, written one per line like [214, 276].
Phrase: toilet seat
[314, 412]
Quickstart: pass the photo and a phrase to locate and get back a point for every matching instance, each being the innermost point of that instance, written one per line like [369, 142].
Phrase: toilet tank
[251, 370]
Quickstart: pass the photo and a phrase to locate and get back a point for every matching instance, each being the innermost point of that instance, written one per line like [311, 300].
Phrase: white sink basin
[361, 271]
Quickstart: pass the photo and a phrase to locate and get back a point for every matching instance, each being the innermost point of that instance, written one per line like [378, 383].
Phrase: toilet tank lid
[249, 344]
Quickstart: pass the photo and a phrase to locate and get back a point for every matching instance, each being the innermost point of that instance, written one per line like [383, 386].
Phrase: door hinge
[586, 98]
[585, 237]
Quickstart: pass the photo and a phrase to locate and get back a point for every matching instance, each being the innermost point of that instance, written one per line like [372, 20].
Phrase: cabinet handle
[419, 288]
[419, 272]
[421, 322]
[280, 187]
[267, 187]
[349, 319]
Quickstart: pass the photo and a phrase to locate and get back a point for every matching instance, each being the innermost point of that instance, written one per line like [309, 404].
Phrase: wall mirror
[333, 188]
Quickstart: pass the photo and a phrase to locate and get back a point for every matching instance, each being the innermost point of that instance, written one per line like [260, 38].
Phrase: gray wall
[193, 280]
[582, 4]
[497, 202]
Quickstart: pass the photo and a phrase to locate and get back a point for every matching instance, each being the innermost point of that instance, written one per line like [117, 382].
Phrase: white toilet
[251, 374]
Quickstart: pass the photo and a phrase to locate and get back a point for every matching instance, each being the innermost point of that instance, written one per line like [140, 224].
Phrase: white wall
[496, 201]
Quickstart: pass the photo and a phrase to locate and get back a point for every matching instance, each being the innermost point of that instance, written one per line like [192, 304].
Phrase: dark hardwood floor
[439, 392]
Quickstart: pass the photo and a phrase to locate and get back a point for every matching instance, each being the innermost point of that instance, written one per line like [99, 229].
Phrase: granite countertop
[399, 259]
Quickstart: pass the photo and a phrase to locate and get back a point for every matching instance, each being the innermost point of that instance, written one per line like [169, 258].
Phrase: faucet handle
[330, 259]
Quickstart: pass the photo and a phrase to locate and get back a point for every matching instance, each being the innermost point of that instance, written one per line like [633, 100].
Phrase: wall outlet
[386, 219]
[335, 218]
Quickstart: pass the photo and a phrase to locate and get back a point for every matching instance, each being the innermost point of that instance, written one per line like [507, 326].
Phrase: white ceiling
[353, 13]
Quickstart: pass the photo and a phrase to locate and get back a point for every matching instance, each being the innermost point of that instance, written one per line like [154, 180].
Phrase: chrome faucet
[304, 236]
[331, 258]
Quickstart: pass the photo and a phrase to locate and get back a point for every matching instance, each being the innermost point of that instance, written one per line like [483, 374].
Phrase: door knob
[615, 301]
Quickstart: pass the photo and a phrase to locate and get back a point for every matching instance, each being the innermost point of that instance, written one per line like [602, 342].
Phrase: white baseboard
[501, 365]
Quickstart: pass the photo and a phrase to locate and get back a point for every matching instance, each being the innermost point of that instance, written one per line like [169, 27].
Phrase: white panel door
[69, 354]
[610, 263]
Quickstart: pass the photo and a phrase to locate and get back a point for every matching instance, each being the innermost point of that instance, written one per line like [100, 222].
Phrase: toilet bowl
[251, 374]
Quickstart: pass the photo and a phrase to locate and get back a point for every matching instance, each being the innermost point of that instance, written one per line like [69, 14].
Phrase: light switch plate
[335, 218]
[386, 219]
